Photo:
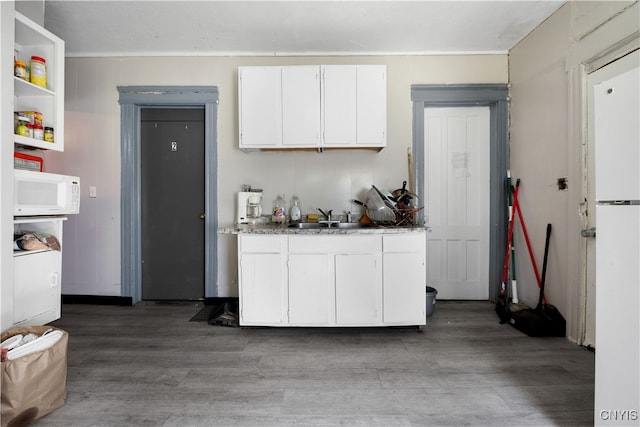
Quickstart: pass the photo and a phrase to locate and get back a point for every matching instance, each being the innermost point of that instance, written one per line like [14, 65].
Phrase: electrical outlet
[92, 192]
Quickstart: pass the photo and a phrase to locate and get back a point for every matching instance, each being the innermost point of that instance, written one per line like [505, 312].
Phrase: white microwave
[41, 193]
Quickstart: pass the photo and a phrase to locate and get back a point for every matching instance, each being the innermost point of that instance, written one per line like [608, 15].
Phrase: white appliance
[40, 193]
[617, 193]
[249, 207]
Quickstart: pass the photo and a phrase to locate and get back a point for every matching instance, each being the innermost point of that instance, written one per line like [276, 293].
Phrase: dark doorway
[172, 183]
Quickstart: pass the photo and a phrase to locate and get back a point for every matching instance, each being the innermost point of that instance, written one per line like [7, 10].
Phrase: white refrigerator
[617, 194]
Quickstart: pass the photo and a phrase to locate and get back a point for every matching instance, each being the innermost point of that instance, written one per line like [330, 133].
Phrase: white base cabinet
[332, 280]
[37, 274]
[404, 273]
[261, 272]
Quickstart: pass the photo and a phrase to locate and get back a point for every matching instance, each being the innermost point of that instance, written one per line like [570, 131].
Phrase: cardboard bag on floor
[35, 384]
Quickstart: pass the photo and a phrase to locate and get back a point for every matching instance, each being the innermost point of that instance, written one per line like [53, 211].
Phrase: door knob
[202, 215]
[588, 233]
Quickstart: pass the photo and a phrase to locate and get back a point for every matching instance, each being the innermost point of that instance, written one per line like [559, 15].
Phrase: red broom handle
[526, 239]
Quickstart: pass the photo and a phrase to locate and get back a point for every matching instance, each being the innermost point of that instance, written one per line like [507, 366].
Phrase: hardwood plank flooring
[148, 365]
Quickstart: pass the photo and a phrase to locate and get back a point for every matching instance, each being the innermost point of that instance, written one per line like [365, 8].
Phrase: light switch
[92, 191]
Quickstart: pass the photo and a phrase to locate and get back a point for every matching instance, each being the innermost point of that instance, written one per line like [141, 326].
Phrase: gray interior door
[172, 203]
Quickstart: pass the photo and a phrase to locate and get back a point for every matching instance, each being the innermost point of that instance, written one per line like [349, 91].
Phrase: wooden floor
[149, 366]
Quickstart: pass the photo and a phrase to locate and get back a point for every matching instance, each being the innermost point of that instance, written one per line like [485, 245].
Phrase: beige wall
[547, 120]
[327, 180]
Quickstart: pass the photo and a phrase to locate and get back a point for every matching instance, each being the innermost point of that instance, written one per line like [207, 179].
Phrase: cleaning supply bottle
[279, 215]
[295, 215]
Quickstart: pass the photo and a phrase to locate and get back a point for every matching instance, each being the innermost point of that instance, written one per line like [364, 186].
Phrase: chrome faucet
[327, 214]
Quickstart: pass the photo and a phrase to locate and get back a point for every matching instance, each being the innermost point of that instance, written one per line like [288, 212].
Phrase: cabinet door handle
[202, 215]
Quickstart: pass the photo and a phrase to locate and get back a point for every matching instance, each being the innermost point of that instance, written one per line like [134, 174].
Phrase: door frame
[132, 99]
[496, 97]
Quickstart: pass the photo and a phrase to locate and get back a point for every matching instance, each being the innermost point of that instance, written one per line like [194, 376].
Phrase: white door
[456, 192]
[612, 70]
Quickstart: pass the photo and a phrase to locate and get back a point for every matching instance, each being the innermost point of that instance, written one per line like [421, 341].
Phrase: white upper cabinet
[293, 107]
[260, 107]
[279, 107]
[371, 105]
[33, 40]
[354, 105]
[339, 105]
[301, 106]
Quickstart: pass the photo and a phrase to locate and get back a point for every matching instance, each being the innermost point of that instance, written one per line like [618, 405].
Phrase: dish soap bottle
[295, 215]
[279, 210]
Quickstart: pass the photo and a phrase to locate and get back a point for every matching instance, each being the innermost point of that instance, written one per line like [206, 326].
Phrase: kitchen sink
[308, 225]
[339, 225]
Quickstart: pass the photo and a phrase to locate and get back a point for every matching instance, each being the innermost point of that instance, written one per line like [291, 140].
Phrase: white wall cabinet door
[339, 105]
[358, 282]
[354, 105]
[301, 106]
[260, 106]
[371, 114]
[310, 290]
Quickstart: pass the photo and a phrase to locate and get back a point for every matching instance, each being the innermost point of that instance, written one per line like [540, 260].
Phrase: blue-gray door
[172, 203]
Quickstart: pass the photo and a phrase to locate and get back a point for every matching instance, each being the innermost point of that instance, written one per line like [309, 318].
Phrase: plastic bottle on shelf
[279, 215]
[295, 215]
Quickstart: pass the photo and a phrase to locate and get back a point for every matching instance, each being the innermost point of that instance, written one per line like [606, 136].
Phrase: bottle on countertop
[279, 215]
[295, 214]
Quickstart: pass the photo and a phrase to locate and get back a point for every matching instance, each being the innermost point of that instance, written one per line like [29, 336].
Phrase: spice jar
[20, 69]
[48, 134]
[38, 71]
[38, 132]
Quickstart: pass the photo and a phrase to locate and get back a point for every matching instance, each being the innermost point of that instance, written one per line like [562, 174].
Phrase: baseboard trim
[128, 301]
[97, 300]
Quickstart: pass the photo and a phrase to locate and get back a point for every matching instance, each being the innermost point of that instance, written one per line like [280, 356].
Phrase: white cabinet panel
[260, 106]
[261, 289]
[310, 290]
[404, 298]
[301, 106]
[358, 285]
[339, 104]
[36, 293]
[371, 117]
[404, 272]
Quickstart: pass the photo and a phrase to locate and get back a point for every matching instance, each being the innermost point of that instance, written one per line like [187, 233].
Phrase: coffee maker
[249, 207]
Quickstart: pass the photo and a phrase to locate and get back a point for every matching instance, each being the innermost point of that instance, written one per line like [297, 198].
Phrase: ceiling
[272, 28]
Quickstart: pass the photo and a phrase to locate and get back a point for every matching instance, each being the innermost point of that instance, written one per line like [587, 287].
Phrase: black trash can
[431, 300]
